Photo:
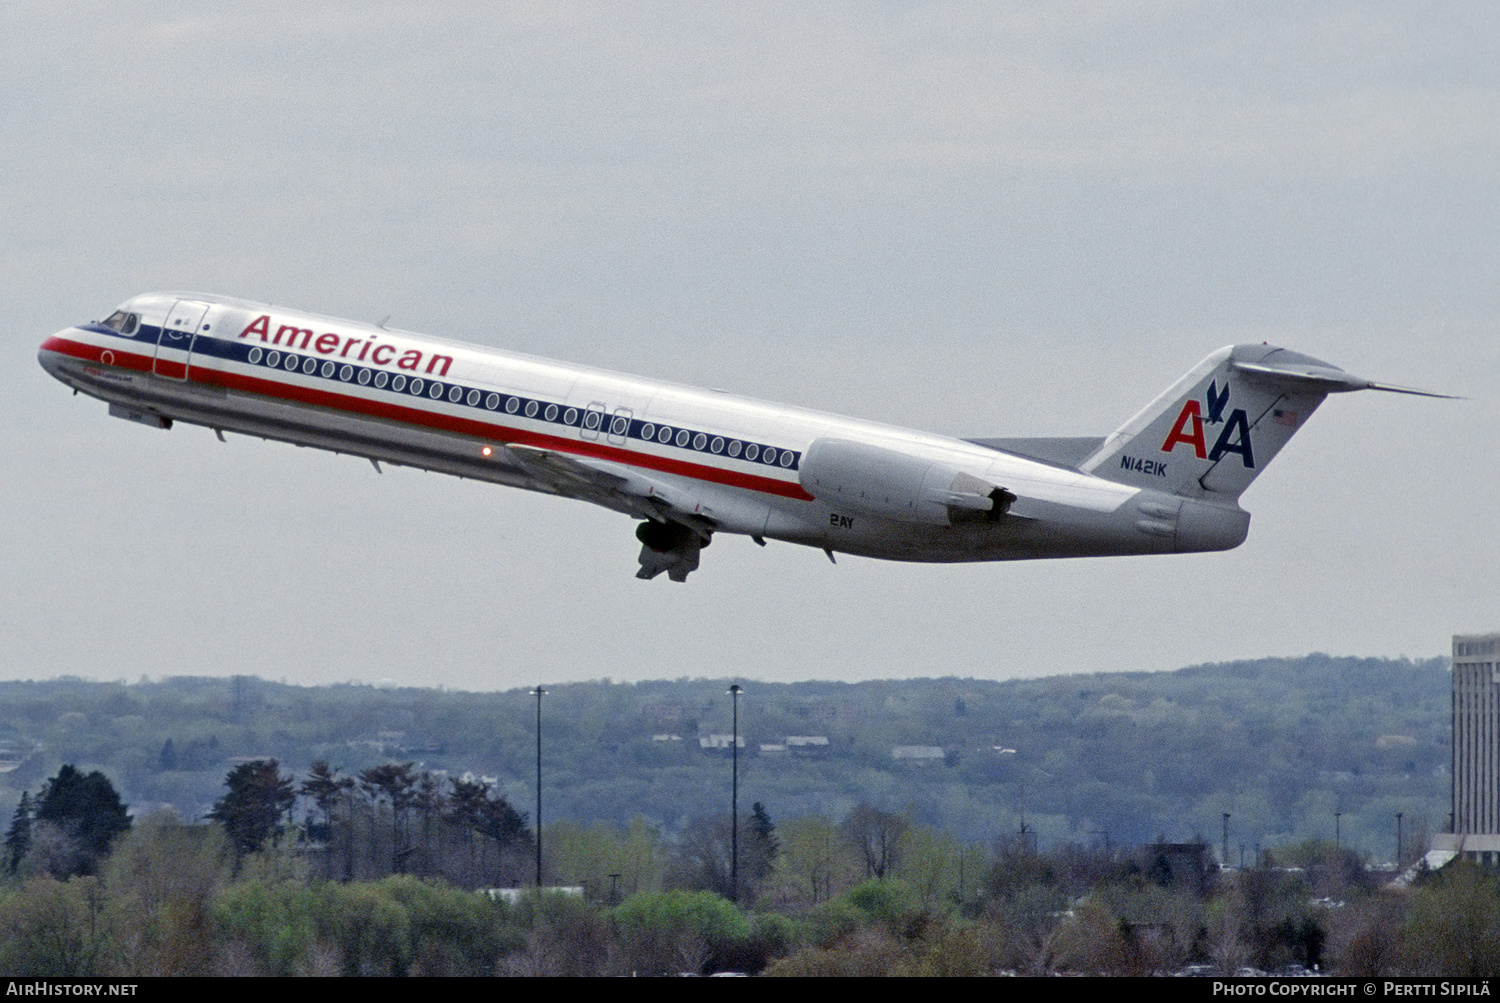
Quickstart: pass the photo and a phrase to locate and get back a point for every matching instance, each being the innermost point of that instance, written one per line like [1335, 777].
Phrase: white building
[1476, 752]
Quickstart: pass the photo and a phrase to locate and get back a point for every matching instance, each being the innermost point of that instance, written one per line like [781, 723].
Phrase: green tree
[86, 814]
[679, 931]
[327, 790]
[611, 865]
[268, 928]
[930, 863]
[18, 836]
[764, 846]
[488, 820]
[814, 862]
[565, 936]
[1454, 924]
[396, 783]
[452, 932]
[253, 808]
[162, 877]
[324, 787]
[54, 928]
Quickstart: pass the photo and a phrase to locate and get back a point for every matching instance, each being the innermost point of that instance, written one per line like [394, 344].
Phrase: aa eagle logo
[1234, 437]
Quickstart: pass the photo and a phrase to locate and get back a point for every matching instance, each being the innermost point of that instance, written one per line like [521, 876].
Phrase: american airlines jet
[691, 463]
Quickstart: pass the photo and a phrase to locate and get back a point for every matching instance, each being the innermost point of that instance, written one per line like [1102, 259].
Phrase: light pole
[1398, 839]
[1338, 842]
[1224, 856]
[734, 799]
[539, 692]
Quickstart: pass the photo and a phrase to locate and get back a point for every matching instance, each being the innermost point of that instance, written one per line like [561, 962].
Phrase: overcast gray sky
[980, 219]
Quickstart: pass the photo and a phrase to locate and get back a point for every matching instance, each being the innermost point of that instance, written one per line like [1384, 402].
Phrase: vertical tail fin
[1215, 429]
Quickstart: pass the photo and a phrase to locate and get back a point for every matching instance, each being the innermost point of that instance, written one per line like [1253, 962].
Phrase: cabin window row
[593, 420]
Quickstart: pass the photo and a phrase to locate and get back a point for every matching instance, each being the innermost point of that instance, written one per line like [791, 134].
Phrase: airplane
[692, 463]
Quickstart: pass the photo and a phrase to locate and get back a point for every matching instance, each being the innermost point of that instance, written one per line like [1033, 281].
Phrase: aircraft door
[593, 421]
[619, 426]
[174, 345]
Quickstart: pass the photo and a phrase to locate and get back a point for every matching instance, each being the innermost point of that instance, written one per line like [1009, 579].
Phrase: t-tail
[1215, 429]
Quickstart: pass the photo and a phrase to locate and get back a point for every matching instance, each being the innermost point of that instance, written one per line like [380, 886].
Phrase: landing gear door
[174, 345]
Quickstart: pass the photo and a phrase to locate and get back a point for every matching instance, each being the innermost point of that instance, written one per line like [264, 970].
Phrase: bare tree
[877, 835]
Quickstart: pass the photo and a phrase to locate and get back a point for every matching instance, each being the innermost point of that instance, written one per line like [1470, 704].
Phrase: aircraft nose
[47, 358]
[50, 354]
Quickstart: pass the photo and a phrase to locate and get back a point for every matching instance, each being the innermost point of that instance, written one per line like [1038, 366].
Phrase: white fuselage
[735, 463]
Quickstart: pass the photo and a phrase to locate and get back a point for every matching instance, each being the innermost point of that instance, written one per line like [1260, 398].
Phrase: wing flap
[612, 485]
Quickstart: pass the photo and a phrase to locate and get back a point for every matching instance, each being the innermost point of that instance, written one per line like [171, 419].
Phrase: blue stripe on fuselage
[750, 454]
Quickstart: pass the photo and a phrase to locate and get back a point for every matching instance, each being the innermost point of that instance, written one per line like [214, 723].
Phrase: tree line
[374, 873]
[384, 820]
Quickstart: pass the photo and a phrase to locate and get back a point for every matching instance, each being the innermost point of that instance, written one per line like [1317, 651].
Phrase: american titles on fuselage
[275, 350]
[328, 344]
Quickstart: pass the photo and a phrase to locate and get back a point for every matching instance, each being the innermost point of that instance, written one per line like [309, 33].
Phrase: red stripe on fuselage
[429, 419]
[95, 353]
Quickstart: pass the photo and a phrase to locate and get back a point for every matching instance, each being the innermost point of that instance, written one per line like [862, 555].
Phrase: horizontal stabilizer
[1324, 379]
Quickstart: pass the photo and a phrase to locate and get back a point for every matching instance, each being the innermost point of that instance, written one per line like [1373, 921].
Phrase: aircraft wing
[612, 485]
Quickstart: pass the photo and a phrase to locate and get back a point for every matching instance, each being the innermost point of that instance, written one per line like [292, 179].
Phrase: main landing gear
[670, 547]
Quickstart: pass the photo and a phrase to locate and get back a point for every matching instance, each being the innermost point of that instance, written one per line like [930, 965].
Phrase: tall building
[1476, 751]
[1476, 733]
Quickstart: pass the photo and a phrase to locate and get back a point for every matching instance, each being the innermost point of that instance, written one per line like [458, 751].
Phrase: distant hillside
[1281, 744]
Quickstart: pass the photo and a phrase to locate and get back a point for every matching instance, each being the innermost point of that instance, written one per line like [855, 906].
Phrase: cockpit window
[122, 322]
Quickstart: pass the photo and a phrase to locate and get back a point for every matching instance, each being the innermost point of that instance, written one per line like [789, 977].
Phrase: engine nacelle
[873, 480]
